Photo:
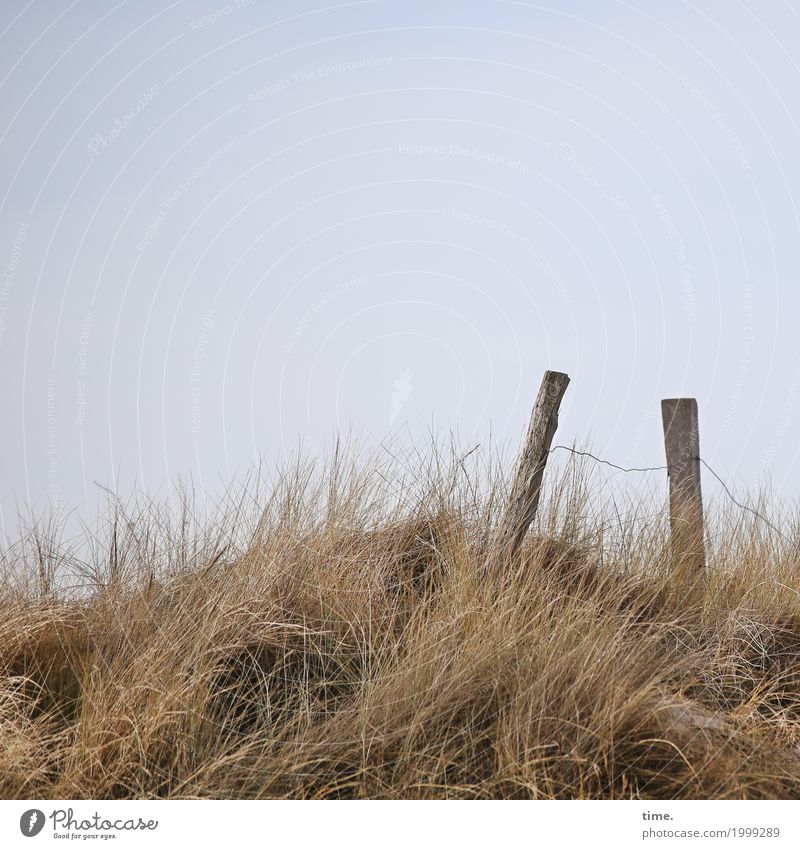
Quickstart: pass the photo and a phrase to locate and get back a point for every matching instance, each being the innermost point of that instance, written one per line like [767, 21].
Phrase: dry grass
[337, 638]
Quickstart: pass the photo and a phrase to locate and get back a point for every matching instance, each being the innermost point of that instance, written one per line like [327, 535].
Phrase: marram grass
[335, 635]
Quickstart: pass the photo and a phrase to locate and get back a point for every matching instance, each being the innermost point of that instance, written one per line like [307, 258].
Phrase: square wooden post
[682, 445]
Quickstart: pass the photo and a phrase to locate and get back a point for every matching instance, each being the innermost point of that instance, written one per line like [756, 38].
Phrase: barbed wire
[739, 503]
[608, 462]
[725, 488]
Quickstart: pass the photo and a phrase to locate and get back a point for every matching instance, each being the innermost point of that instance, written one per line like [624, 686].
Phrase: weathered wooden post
[527, 484]
[682, 445]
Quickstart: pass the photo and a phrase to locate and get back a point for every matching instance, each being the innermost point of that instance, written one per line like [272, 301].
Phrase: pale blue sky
[224, 227]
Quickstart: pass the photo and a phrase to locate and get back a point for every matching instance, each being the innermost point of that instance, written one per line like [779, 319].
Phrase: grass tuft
[333, 635]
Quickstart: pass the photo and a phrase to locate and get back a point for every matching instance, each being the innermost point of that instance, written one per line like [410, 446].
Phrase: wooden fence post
[682, 445]
[526, 487]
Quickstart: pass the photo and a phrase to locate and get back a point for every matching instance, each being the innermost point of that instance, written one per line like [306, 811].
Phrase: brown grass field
[334, 635]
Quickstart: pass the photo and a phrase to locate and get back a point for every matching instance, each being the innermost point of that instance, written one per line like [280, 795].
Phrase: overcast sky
[226, 228]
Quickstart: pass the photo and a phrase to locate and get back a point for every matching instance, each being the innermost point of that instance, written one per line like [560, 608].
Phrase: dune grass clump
[337, 634]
